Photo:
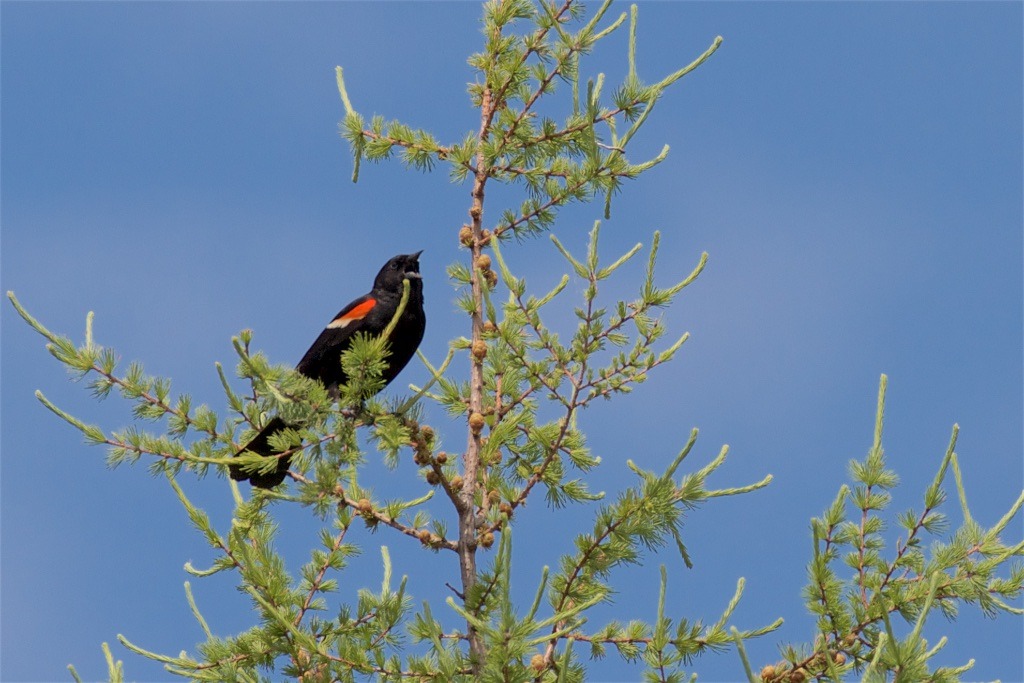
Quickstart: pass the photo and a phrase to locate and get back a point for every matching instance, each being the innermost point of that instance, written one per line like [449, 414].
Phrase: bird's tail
[261, 444]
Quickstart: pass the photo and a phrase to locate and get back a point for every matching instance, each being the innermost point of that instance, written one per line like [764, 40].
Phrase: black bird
[370, 313]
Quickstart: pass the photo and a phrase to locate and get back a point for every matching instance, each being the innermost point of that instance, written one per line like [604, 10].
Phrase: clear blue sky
[853, 169]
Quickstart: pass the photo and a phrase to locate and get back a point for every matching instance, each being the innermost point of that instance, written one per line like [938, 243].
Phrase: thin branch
[377, 515]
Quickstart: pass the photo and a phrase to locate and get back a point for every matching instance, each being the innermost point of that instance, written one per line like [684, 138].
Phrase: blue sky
[854, 171]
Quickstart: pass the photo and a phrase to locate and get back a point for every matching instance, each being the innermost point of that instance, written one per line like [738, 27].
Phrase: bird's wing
[335, 337]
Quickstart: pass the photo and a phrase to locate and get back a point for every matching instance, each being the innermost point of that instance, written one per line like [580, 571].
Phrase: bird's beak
[415, 258]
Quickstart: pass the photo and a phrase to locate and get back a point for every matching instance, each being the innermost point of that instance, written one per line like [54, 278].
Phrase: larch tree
[517, 379]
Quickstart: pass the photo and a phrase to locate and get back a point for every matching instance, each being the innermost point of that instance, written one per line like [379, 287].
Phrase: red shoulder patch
[357, 312]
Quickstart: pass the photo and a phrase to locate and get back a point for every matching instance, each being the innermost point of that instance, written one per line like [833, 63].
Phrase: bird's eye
[394, 265]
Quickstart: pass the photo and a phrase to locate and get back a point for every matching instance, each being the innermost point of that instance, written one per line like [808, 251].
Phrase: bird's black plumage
[371, 314]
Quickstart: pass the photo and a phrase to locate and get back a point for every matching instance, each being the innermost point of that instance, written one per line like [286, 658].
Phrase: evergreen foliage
[527, 385]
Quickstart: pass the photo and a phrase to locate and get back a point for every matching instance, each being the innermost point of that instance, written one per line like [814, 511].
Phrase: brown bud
[441, 457]
[423, 535]
[768, 673]
[839, 658]
[797, 676]
[493, 497]
[339, 492]
[427, 433]
[456, 483]
[491, 277]
[483, 262]
[479, 349]
[364, 505]
[432, 478]
[476, 422]
[538, 662]
[485, 237]
[487, 540]
[418, 459]
[489, 327]
[466, 236]
[505, 509]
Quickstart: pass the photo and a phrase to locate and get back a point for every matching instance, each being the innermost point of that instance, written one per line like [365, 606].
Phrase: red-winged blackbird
[370, 313]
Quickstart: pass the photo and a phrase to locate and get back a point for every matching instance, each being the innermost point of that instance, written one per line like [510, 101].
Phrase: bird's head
[399, 268]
